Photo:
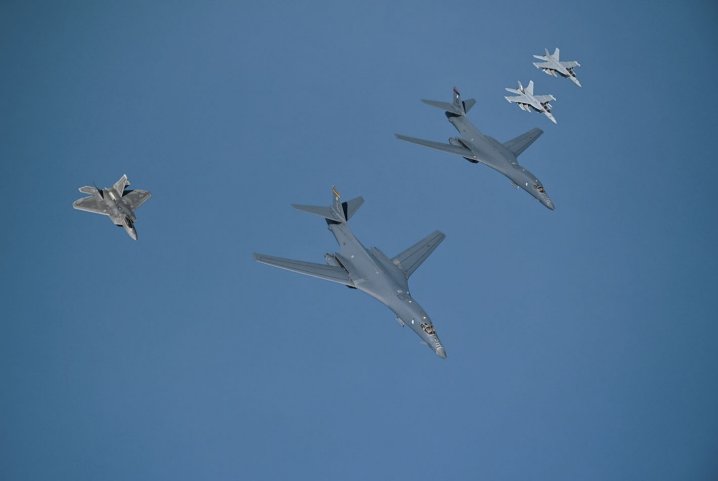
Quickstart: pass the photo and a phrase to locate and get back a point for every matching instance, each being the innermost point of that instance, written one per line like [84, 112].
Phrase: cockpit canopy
[539, 187]
[428, 328]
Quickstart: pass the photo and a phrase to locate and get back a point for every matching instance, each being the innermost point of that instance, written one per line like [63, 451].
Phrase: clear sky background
[581, 342]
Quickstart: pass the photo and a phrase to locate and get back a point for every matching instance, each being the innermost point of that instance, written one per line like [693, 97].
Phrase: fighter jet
[369, 270]
[552, 66]
[526, 100]
[117, 202]
[476, 147]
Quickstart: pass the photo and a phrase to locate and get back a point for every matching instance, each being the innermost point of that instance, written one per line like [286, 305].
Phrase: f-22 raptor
[369, 270]
[551, 65]
[116, 202]
[477, 147]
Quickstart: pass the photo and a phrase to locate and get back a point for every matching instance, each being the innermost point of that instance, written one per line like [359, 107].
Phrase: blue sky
[581, 342]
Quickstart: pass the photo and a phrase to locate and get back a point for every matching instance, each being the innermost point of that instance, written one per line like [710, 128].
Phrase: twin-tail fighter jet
[369, 270]
[526, 100]
[116, 202]
[551, 65]
[476, 147]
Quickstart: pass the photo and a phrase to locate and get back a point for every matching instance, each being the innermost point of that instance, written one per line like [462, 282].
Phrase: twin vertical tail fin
[121, 184]
[338, 213]
[457, 107]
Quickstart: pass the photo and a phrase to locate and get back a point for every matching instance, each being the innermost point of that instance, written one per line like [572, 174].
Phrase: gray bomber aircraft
[116, 202]
[369, 270]
[553, 66]
[476, 147]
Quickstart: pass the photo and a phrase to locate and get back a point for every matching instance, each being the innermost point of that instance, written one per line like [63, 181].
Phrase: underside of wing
[522, 142]
[546, 65]
[570, 64]
[135, 198]
[544, 98]
[410, 259]
[516, 99]
[454, 149]
[322, 271]
[91, 204]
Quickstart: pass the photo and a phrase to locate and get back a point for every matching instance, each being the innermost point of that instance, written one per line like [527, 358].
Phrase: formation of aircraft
[369, 270]
[553, 66]
[116, 202]
[526, 100]
[477, 147]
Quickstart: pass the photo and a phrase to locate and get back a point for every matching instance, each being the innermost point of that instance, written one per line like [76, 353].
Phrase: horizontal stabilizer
[340, 212]
[522, 142]
[322, 271]
[351, 206]
[326, 212]
[444, 106]
[410, 259]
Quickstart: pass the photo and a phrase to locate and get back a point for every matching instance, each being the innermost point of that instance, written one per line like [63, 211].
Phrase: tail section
[554, 55]
[121, 184]
[517, 91]
[529, 88]
[457, 107]
[338, 213]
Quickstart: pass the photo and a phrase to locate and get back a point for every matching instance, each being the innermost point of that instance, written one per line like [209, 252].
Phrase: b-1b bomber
[477, 147]
[369, 270]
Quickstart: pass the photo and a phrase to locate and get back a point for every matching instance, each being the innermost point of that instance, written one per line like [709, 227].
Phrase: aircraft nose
[549, 203]
[441, 352]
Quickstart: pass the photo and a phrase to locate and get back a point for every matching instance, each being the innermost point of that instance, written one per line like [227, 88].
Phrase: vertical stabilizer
[121, 184]
[456, 107]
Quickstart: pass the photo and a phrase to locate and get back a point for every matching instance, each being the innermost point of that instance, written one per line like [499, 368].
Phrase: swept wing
[454, 149]
[410, 259]
[91, 204]
[544, 98]
[518, 144]
[322, 271]
[135, 198]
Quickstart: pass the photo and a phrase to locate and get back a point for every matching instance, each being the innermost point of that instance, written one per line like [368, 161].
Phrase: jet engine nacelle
[331, 260]
[457, 142]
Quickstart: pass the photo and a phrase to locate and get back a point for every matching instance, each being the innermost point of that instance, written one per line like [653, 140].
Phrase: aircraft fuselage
[494, 154]
[120, 213]
[373, 272]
